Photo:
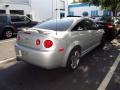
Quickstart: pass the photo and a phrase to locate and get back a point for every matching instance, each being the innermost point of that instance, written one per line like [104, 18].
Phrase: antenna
[56, 16]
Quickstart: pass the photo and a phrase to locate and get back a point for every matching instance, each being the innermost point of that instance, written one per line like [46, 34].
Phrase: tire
[73, 59]
[8, 33]
[114, 34]
[103, 40]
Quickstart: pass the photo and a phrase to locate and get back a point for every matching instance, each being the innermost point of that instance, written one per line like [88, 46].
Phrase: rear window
[58, 25]
[3, 19]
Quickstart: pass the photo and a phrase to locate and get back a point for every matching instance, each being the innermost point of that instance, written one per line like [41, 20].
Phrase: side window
[80, 26]
[3, 19]
[15, 19]
[24, 18]
[85, 24]
[76, 27]
[88, 24]
[19, 19]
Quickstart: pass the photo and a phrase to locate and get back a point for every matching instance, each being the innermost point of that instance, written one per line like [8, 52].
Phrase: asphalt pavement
[7, 50]
[93, 69]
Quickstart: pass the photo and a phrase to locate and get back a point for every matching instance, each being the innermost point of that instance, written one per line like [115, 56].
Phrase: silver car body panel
[63, 43]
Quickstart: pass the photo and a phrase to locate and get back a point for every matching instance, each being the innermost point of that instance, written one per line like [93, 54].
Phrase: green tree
[74, 1]
[113, 5]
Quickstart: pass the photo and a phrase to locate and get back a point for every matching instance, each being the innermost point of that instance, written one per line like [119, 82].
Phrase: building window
[94, 13]
[62, 6]
[20, 12]
[106, 13]
[62, 15]
[70, 13]
[85, 13]
[2, 11]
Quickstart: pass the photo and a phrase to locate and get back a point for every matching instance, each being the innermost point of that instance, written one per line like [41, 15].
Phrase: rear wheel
[73, 59]
[8, 33]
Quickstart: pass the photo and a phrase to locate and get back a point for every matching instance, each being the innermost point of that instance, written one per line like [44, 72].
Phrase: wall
[39, 9]
[15, 1]
[48, 9]
[80, 8]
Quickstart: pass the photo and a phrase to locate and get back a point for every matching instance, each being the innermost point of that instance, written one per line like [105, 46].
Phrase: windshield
[56, 25]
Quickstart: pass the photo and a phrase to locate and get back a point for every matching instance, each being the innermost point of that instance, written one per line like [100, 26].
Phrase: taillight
[18, 38]
[110, 26]
[48, 43]
[37, 42]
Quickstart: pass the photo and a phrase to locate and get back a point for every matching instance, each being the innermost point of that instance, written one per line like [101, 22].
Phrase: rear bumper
[44, 59]
[111, 31]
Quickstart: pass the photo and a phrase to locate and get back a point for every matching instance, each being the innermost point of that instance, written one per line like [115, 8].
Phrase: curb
[7, 60]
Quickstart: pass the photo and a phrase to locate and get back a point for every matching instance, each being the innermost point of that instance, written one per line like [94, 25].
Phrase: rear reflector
[37, 42]
[48, 43]
[109, 25]
[61, 49]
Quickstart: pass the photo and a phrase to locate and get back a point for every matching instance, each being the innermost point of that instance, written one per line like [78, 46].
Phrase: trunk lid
[28, 38]
[104, 25]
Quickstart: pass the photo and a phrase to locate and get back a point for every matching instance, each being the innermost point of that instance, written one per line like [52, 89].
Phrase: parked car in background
[111, 25]
[58, 43]
[11, 24]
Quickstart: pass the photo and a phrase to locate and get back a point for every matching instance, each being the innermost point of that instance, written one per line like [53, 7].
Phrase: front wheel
[73, 59]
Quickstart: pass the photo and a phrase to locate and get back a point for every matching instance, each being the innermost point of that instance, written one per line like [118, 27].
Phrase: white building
[47, 9]
[86, 9]
[39, 10]
[15, 7]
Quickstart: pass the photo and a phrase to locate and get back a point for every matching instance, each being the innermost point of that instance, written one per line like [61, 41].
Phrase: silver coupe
[58, 42]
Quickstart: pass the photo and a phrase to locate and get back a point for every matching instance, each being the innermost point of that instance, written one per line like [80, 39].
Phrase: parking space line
[109, 75]
[7, 60]
[5, 41]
